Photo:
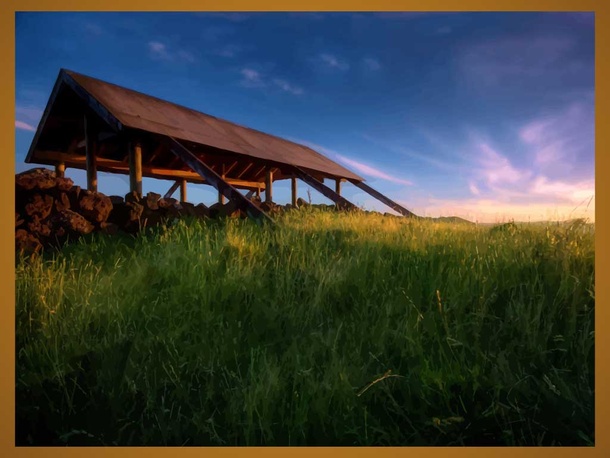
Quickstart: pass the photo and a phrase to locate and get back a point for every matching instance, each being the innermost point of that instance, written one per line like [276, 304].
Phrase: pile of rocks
[50, 210]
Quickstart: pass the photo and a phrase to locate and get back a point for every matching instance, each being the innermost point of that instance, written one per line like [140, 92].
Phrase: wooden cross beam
[341, 202]
[380, 197]
[211, 177]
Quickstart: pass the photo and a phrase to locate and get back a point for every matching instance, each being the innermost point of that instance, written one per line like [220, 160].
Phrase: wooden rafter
[231, 167]
[248, 167]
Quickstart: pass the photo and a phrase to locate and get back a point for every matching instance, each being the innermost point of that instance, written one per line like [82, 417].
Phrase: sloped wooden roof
[123, 109]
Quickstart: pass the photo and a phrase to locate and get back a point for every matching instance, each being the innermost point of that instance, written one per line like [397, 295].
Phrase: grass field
[330, 329]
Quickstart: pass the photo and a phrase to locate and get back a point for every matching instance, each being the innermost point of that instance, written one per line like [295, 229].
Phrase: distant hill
[449, 219]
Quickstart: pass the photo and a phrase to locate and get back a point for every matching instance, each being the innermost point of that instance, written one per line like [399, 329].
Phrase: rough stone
[95, 206]
[39, 206]
[39, 179]
[26, 243]
[62, 202]
[72, 222]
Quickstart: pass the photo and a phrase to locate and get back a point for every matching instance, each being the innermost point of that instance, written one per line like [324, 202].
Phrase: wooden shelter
[94, 125]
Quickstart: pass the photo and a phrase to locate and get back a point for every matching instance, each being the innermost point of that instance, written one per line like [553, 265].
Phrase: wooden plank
[172, 190]
[269, 186]
[135, 168]
[293, 182]
[341, 202]
[90, 154]
[190, 159]
[114, 166]
[380, 197]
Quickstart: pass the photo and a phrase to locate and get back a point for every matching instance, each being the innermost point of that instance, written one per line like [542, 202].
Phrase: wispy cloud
[371, 171]
[432, 158]
[496, 169]
[495, 177]
[253, 78]
[24, 126]
[361, 167]
[28, 113]
[27, 117]
[473, 189]
[371, 64]
[285, 86]
[559, 142]
[334, 62]
[161, 51]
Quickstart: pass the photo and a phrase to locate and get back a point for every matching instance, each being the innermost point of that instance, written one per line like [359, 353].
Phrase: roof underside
[244, 152]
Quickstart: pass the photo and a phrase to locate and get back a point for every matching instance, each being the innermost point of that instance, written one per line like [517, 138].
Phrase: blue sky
[488, 116]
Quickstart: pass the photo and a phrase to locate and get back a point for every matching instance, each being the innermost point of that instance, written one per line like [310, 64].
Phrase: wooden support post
[90, 152]
[211, 177]
[60, 169]
[183, 191]
[268, 187]
[293, 181]
[135, 168]
[380, 197]
[221, 197]
[172, 190]
[341, 202]
[338, 186]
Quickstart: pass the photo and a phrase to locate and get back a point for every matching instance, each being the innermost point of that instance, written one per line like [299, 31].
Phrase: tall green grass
[329, 329]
